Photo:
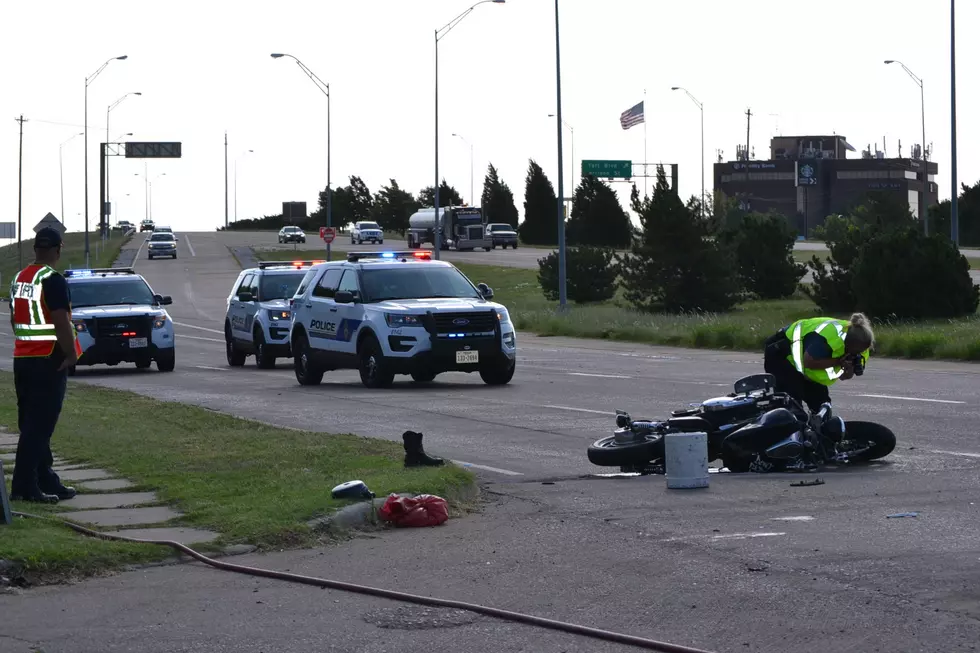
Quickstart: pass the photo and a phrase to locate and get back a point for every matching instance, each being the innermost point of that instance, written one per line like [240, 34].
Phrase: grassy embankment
[251, 482]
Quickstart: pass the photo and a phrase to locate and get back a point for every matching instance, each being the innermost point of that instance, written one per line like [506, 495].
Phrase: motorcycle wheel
[607, 452]
[872, 440]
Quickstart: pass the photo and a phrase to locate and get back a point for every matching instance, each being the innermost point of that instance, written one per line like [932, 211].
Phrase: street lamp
[562, 294]
[325, 89]
[61, 170]
[89, 80]
[439, 34]
[236, 180]
[572, 132]
[954, 223]
[923, 209]
[701, 107]
[472, 197]
[107, 132]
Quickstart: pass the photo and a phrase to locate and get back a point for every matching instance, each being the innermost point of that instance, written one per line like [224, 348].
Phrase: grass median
[744, 329]
[72, 254]
[251, 482]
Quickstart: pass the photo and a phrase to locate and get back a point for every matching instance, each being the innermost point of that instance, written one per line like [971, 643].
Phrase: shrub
[763, 248]
[590, 274]
[905, 274]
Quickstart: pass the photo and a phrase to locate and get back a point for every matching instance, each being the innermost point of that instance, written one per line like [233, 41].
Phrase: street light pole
[61, 171]
[472, 196]
[236, 181]
[107, 197]
[923, 209]
[325, 89]
[954, 226]
[439, 34]
[89, 80]
[571, 132]
[562, 298]
[701, 108]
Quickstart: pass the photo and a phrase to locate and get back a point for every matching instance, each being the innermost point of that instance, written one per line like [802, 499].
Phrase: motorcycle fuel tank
[770, 429]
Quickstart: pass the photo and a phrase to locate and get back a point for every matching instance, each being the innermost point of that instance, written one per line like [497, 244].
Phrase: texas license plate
[467, 357]
[137, 343]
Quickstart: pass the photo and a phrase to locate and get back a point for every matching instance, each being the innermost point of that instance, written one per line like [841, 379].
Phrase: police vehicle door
[322, 314]
[252, 307]
[238, 309]
[349, 314]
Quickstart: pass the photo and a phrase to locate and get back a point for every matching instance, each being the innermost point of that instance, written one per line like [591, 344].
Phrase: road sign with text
[153, 150]
[607, 169]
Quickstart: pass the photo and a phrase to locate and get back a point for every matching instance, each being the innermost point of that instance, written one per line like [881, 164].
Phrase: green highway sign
[608, 169]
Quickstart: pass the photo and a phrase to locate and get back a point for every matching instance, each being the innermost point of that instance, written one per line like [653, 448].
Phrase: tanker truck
[461, 228]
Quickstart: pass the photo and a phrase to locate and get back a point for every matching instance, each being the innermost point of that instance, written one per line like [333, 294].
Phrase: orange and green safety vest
[34, 332]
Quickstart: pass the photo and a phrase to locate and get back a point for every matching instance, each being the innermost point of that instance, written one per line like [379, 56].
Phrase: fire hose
[507, 615]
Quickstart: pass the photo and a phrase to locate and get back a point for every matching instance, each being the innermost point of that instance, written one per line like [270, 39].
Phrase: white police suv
[119, 319]
[258, 313]
[388, 313]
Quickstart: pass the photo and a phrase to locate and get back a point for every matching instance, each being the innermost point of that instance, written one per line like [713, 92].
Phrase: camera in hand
[858, 362]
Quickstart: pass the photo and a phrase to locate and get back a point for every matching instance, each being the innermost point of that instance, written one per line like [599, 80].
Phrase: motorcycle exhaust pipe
[791, 447]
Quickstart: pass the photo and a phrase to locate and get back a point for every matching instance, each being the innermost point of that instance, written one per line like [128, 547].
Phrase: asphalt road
[748, 564]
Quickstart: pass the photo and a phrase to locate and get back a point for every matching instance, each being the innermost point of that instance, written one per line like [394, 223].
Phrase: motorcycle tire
[881, 438]
[609, 453]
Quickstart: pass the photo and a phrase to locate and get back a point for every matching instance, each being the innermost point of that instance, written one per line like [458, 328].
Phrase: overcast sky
[203, 68]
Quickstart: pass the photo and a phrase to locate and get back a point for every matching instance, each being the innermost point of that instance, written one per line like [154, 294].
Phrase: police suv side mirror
[485, 290]
[344, 297]
[245, 297]
[166, 300]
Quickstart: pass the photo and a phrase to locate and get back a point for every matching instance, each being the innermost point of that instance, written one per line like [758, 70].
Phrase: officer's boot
[415, 455]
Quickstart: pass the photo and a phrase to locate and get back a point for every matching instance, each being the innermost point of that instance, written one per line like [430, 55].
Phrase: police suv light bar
[287, 264]
[91, 272]
[390, 256]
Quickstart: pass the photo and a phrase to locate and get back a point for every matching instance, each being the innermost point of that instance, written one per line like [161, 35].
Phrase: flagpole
[645, 176]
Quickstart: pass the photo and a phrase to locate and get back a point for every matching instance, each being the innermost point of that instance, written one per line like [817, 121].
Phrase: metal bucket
[686, 460]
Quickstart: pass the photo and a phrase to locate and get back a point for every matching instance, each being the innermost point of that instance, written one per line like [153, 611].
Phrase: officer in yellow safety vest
[45, 347]
[810, 355]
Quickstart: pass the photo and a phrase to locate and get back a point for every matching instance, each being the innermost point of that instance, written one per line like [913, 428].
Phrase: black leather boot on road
[415, 455]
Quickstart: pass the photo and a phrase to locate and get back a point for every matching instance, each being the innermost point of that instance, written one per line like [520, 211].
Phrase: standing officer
[45, 348]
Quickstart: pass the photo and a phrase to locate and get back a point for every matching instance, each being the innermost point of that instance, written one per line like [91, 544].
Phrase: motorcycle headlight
[159, 322]
[278, 315]
[400, 320]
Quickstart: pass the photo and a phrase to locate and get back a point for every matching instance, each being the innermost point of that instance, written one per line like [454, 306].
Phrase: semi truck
[460, 227]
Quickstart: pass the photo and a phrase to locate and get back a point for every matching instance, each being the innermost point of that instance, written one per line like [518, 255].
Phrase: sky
[204, 69]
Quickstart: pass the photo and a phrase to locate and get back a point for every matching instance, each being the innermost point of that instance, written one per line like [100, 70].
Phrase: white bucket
[686, 460]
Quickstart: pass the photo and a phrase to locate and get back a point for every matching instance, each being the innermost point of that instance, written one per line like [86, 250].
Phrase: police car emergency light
[97, 271]
[287, 264]
[353, 257]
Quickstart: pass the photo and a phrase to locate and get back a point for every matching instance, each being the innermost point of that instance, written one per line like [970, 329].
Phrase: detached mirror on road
[245, 297]
[485, 290]
[344, 297]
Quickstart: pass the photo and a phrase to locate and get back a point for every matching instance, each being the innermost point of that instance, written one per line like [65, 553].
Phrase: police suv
[258, 313]
[388, 313]
[119, 319]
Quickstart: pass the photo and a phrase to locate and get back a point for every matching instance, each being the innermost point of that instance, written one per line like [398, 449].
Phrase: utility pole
[226, 180]
[748, 127]
[954, 225]
[20, 186]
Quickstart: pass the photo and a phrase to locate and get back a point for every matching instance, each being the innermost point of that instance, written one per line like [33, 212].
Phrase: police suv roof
[101, 274]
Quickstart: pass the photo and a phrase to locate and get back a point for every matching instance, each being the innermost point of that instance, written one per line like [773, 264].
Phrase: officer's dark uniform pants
[788, 380]
[40, 395]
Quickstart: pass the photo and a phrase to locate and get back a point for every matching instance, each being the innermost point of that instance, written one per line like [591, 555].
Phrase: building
[808, 178]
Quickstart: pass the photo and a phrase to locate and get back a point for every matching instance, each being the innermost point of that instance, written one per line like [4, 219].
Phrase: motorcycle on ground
[753, 429]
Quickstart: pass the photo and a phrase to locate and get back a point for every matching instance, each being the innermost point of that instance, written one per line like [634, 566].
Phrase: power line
[65, 124]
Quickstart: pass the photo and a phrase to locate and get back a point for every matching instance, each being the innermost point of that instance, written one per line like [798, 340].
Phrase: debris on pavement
[352, 490]
[421, 510]
[815, 481]
[900, 515]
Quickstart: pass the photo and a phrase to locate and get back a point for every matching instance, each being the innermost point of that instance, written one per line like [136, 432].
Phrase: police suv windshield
[279, 286]
[109, 293]
[415, 282]
[157, 237]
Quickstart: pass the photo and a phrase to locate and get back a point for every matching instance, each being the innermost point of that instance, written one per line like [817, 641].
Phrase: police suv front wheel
[373, 368]
[166, 360]
[498, 372]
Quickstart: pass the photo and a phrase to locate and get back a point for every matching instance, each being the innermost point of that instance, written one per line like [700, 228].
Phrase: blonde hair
[859, 331]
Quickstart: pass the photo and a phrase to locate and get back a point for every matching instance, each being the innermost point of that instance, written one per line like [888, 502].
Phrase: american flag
[632, 117]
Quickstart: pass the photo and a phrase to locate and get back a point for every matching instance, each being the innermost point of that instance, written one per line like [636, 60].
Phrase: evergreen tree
[540, 226]
[598, 219]
[393, 207]
[497, 200]
[448, 196]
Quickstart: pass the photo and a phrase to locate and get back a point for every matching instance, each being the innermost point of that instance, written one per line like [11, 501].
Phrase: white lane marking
[187, 241]
[506, 472]
[208, 367]
[191, 326]
[797, 518]
[199, 338]
[138, 250]
[599, 376]
[581, 410]
[742, 536]
[935, 401]
[955, 453]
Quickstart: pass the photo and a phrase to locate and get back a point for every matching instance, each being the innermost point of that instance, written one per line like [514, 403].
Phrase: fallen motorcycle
[754, 429]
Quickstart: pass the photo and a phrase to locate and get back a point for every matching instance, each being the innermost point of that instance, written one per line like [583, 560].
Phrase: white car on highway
[366, 231]
[388, 313]
[258, 313]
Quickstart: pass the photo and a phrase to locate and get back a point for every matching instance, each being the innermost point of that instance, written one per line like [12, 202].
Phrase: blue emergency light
[417, 255]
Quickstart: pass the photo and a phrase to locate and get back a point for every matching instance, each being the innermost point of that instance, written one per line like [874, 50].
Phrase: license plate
[467, 357]
[136, 343]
